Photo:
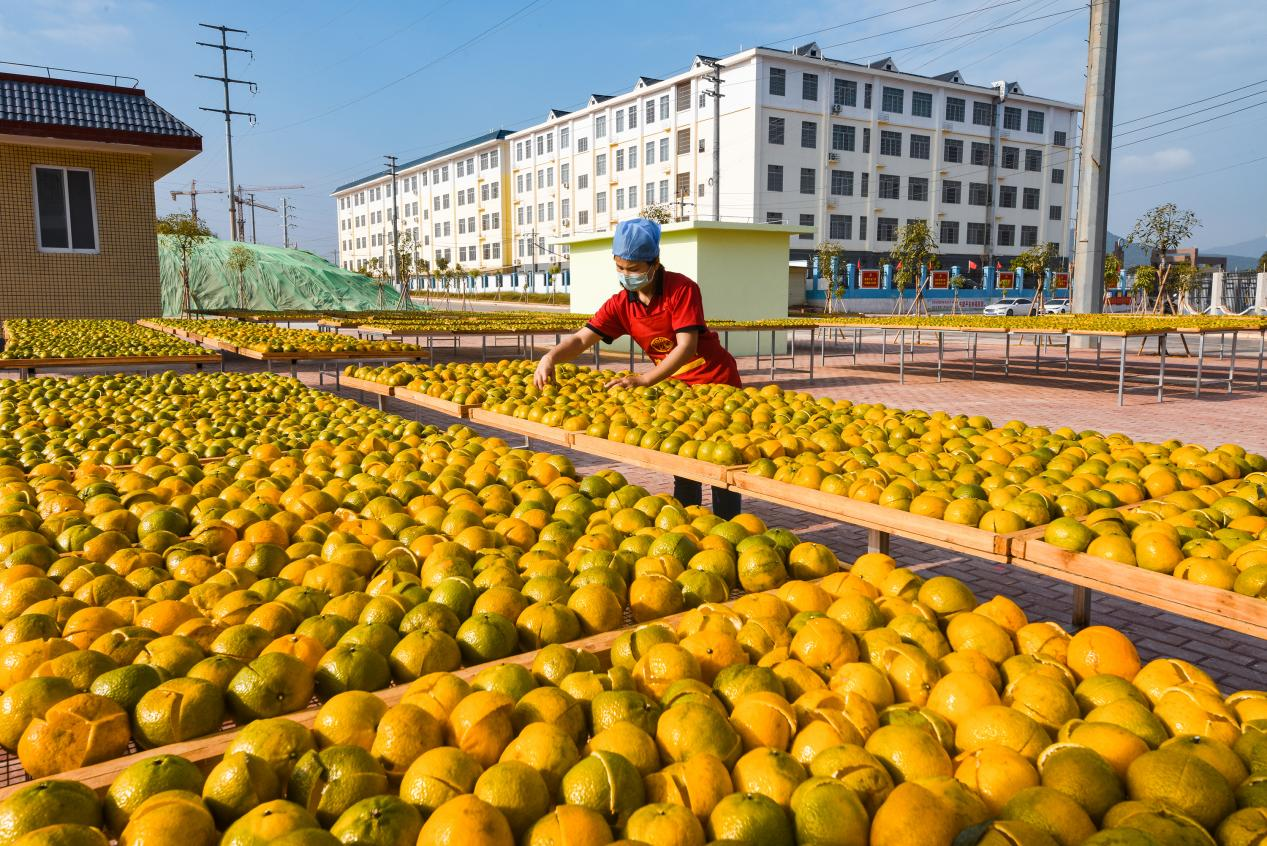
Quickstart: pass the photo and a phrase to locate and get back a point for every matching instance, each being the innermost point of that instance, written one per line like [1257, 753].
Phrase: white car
[1009, 306]
[1056, 307]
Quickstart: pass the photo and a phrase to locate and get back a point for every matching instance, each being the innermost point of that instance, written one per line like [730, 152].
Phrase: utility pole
[1093, 171]
[716, 95]
[286, 224]
[391, 167]
[228, 111]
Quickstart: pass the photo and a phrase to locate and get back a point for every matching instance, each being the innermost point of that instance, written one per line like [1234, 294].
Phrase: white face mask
[633, 281]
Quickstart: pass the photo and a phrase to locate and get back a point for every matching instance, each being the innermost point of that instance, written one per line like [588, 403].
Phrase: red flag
[899, 265]
[998, 265]
[972, 265]
[859, 265]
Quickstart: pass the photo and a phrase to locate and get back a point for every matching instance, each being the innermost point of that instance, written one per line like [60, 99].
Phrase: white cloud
[1168, 160]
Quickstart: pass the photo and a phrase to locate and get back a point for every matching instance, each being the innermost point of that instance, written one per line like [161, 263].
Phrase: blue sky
[332, 100]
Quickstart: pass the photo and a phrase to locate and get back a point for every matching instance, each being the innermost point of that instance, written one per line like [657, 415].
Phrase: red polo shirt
[676, 306]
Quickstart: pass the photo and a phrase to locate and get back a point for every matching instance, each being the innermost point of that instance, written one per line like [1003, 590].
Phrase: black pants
[726, 503]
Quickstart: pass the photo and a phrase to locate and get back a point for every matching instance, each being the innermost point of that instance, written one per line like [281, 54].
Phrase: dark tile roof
[495, 135]
[68, 108]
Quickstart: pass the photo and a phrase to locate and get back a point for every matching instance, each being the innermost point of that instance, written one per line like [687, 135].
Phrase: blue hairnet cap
[637, 239]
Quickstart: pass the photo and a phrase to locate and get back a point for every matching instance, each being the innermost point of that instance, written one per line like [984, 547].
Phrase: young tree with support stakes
[239, 260]
[1162, 230]
[957, 284]
[1035, 261]
[827, 251]
[405, 250]
[914, 249]
[552, 273]
[187, 235]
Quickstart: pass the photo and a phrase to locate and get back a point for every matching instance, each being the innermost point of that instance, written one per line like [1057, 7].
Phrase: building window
[65, 210]
[1029, 199]
[582, 218]
[600, 202]
[842, 137]
[776, 131]
[774, 177]
[565, 173]
[582, 181]
[682, 92]
[778, 82]
[892, 100]
[633, 117]
[866, 140]
[865, 190]
[844, 92]
[890, 143]
[889, 187]
[1011, 158]
[565, 138]
[1007, 235]
[840, 227]
[806, 220]
[1029, 236]
[866, 96]
[682, 187]
[809, 134]
[664, 191]
[1059, 138]
[1057, 176]
[842, 183]
[953, 151]
[650, 111]
[648, 155]
[632, 190]
[620, 161]
[809, 86]
[1054, 213]
[582, 145]
[1007, 197]
[982, 114]
[921, 104]
[600, 164]
[664, 107]
[808, 180]
[976, 234]
[620, 120]
[600, 126]
[955, 109]
[664, 149]
[917, 188]
[920, 146]
[1012, 118]
[633, 156]
[620, 200]
[774, 217]
[949, 232]
[1034, 160]
[683, 141]
[981, 153]
[978, 194]
[886, 228]
[1035, 123]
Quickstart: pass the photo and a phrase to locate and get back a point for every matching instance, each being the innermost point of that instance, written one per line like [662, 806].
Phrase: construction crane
[193, 193]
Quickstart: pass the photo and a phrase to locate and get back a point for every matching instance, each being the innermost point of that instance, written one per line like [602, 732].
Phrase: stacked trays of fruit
[31, 339]
[267, 339]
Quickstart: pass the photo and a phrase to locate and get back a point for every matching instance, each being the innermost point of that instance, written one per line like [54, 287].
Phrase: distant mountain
[1242, 256]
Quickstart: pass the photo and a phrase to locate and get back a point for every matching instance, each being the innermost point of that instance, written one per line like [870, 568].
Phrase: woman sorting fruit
[661, 310]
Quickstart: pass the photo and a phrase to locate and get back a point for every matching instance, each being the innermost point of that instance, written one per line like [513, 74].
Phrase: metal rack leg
[1081, 606]
[901, 356]
[1231, 367]
[1262, 339]
[773, 356]
[726, 503]
[878, 541]
[687, 491]
[1007, 353]
[1067, 337]
[975, 338]
[1200, 362]
[1161, 370]
[811, 355]
[1121, 373]
[941, 349]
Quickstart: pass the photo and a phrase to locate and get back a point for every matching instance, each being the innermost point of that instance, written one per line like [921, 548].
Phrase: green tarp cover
[279, 280]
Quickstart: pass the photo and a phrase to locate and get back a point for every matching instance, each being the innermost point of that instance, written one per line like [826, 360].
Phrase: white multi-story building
[452, 206]
[855, 151]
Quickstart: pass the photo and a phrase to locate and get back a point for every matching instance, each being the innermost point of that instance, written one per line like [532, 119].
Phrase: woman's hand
[544, 374]
[631, 381]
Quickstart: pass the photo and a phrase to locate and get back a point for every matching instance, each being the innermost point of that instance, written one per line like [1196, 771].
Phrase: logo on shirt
[660, 346]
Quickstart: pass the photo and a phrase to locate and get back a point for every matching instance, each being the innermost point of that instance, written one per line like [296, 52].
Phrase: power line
[1197, 112]
[1195, 102]
[851, 23]
[937, 57]
[1036, 32]
[524, 9]
[225, 48]
[962, 35]
[918, 25]
[1197, 123]
[1192, 176]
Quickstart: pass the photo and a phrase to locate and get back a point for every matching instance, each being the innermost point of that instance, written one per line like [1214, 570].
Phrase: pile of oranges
[868, 707]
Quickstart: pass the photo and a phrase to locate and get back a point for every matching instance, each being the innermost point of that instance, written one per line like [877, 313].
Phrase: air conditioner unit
[835, 108]
[565, 223]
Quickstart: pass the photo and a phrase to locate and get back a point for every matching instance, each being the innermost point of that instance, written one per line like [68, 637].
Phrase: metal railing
[49, 69]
